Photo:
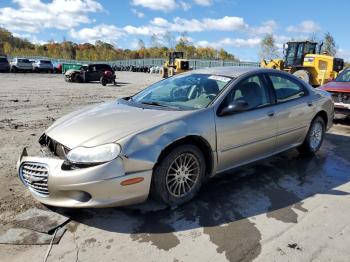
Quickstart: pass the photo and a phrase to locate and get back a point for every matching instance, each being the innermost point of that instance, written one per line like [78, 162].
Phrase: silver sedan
[171, 137]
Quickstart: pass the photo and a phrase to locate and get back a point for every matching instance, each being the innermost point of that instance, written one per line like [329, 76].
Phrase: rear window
[103, 68]
[23, 61]
[45, 62]
[3, 60]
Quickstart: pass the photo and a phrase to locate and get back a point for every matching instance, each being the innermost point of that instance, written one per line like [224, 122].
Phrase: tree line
[102, 51]
[269, 49]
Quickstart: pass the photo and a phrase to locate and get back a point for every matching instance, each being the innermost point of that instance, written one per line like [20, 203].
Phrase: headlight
[97, 154]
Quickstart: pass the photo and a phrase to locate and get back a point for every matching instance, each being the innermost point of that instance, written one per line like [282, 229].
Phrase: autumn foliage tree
[102, 51]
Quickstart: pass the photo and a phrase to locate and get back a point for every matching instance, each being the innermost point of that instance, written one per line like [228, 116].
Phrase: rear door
[93, 73]
[294, 110]
[247, 135]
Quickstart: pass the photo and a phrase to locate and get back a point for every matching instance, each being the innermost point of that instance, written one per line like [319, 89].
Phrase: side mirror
[234, 107]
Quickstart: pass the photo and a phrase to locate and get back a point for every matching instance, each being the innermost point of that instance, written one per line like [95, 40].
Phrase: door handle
[310, 103]
[271, 113]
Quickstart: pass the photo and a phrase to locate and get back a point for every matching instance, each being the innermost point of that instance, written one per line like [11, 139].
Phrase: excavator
[305, 60]
[175, 64]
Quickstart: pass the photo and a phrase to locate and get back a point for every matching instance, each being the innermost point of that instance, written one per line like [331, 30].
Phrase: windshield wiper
[153, 103]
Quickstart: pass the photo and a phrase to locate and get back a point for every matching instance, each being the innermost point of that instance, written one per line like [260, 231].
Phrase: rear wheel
[303, 75]
[103, 81]
[179, 175]
[314, 137]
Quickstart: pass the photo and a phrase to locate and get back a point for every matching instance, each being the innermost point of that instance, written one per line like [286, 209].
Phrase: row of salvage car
[25, 65]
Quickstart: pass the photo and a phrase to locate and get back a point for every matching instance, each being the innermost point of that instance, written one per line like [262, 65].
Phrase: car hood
[107, 123]
[337, 87]
[70, 71]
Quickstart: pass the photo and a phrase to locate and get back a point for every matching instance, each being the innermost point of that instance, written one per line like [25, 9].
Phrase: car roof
[230, 71]
[98, 64]
[236, 71]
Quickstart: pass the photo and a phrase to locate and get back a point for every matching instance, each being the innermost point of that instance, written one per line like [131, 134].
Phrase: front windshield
[344, 76]
[189, 91]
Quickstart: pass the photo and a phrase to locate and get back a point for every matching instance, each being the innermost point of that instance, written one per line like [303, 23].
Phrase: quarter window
[286, 89]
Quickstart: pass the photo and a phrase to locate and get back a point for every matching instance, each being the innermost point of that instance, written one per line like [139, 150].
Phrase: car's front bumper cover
[342, 108]
[94, 186]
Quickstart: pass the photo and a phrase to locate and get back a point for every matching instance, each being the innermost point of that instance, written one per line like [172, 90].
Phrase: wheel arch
[197, 141]
[323, 115]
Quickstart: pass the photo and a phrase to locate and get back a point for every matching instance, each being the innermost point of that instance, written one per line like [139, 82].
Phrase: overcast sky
[237, 25]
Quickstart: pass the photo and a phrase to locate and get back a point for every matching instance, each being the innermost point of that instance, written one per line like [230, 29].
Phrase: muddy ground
[285, 208]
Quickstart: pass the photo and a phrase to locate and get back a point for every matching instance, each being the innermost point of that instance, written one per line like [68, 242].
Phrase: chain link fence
[194, 63]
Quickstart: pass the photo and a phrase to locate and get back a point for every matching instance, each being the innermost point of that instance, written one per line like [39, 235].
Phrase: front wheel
[303, 75]
[179, 175]
[77, 78]
[314, 137]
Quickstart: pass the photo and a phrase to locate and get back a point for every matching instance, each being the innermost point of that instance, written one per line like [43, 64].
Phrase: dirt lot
[286, 208]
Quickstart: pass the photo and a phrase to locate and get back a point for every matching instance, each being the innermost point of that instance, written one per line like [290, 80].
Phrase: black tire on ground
[162, 185]
[171, 71]
[314, 137]
[13, 69]
[77, 78]
[103, 81]
[163, 72]
[303, 75]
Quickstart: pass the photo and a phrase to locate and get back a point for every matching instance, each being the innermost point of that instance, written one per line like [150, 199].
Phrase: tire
[173, 185]
[13, 69]
[163, 72]
[171, 71]
[103, 81]
[77, 78]
[303, 75]
[314, 137]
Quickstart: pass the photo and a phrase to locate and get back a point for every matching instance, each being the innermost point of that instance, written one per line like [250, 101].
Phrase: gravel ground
[29, 104]
[285, 208]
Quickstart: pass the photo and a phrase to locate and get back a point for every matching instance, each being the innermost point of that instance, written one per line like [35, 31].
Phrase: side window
[286, 89]
[251, 90]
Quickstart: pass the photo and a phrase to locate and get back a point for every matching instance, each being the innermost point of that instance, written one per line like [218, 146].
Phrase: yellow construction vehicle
[304, 60]
[175, 64]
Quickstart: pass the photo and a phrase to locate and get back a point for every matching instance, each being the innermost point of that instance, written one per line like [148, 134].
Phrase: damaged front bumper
[102, 185]
[342, 108]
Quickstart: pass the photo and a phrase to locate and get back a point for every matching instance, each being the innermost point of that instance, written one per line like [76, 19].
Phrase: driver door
[247, 135]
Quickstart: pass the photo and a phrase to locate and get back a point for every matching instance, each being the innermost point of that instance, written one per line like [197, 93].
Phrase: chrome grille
[35, 176]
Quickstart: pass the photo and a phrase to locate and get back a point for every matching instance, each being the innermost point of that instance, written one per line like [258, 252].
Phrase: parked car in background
[21, 64]
[88, 73]
[4, 64]
[340, 90]
[171, 137]
[43, 66]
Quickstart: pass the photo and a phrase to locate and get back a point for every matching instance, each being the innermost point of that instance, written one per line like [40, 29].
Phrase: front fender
[141, 151]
